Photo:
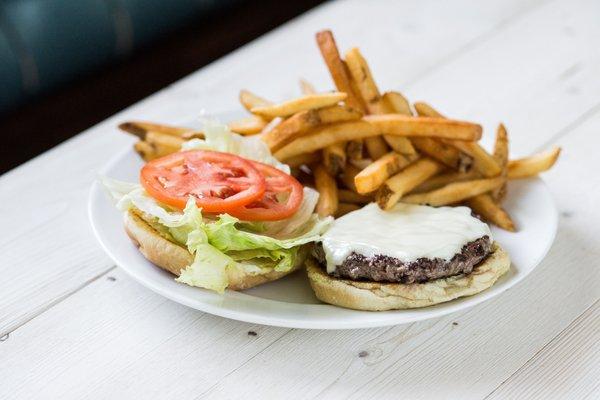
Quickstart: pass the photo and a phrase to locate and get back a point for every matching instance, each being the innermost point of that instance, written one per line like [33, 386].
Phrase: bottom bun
[173, 257]
[378, 296]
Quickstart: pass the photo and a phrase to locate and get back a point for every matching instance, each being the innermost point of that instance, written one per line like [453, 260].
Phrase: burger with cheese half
[412, 256]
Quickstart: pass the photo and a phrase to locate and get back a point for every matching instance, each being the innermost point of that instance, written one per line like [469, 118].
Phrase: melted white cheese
[406, 232]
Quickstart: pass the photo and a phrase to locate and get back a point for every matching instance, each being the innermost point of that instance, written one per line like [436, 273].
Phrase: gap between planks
[556, 338]
[35, 313]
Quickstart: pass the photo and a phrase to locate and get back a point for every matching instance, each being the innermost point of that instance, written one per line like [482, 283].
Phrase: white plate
[289, 302]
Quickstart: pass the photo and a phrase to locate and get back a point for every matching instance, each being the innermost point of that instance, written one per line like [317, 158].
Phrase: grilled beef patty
[382, 268]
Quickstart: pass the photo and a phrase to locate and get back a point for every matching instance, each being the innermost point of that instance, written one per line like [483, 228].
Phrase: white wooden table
[72, 325]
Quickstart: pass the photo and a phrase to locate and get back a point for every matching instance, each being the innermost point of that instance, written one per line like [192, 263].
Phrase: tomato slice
[220, 182]
[282, 197]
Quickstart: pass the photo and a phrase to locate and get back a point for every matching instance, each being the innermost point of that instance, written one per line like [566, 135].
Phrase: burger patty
[382, 268]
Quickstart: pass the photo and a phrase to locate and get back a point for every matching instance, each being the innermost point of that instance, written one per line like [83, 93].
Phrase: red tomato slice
[282, 197]
[220, 182]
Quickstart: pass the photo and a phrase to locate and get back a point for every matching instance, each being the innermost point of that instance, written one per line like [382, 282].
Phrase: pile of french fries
[357, 145]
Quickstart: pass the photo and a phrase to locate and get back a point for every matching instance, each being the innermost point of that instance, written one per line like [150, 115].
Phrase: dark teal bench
[47, 43]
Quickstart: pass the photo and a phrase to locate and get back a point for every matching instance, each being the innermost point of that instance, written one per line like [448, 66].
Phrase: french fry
[348, 176]
[368, 92]
[301, 123]
[376, 147]
[343, 82]
[373, 176]
[304, 159]
[307, 87]
[303, 103]
[249, 100]
[485, 206]
[248, 126]
[141, 128]
[362, 163]
[345, 208]
[328, 198]
[425, 110]
[441, 180]
[145, 150]
[482, 160]
[396, 103]
[334, 158]
[354, 149]
[361, 74]
[338, 69]
[326, 136]
[404, 125]
[403, 182]
[454, 192]
[533, 165]
[164, 144]
[348, 196]
[442, 152]
[400, 144]
[501, 157]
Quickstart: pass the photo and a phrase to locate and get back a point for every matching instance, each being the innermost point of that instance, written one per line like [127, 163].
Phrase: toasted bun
[173, 257]
[377, 296]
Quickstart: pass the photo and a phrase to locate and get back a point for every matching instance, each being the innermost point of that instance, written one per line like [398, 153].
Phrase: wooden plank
[568, 367]
[65, 256]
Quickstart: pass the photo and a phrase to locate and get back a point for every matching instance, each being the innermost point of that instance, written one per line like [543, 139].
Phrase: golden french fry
[303, 103]
[406, 180]
[454, 192]
[438, 150]
[482, 160]
[362, 163]
[301, 123]
[501, 157]
[141, 128]
[145, 150]
[325, 185]
[441, 180]
[485, 206]
[326, 136]
[248, 126]
[533, 165]
[400, 144]
[249, 100]
[338, 69]
[304, 159]
[404, 125]
[348, 176]
[396, 103]
[345, 208]
[354, 149]
[306, 87]
[361, 75]
[376, 147]
[334, 158]
[164, 144]
[348, 196]
[373, 176]
[425, 110]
